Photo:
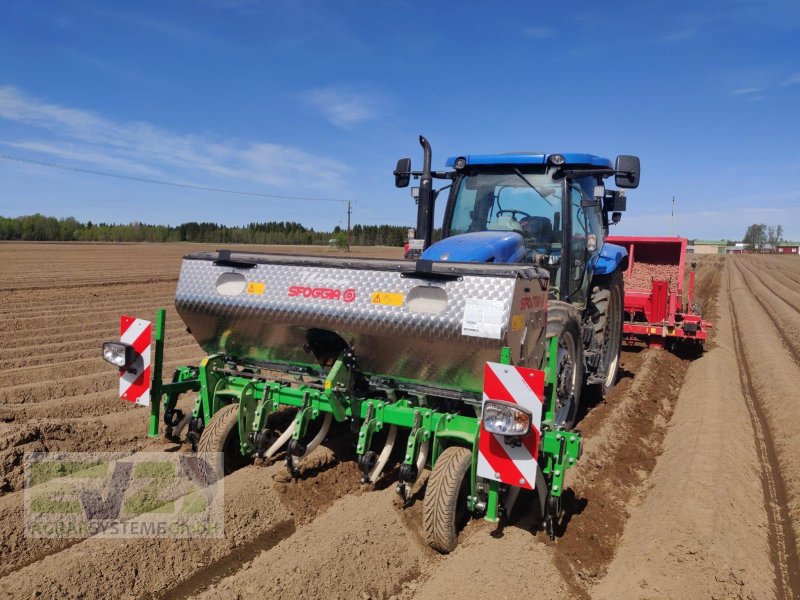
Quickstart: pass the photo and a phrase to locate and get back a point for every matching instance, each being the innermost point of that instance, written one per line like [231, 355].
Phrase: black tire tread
[562, 316]
[441, 498]
[558, 313]
[601, 301]
[216, 433]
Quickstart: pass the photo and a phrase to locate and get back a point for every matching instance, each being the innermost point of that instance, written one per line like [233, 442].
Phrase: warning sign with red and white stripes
[513, 463]
[134, 383]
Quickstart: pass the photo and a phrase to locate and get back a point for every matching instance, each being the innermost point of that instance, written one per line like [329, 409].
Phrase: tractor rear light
[119, 354]
[504, 418]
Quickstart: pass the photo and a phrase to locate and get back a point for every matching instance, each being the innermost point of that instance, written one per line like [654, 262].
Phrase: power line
[160, 182]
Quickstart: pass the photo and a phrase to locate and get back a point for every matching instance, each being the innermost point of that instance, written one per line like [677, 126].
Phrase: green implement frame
[431, 428]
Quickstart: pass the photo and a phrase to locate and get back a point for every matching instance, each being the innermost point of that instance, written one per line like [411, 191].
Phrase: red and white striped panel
[134, 383]
[498, 461]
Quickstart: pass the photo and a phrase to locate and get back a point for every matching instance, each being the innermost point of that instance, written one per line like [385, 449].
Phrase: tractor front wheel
[221, 435]
[444, 509]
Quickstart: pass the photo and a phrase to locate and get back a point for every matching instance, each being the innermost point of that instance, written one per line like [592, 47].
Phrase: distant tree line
[41, 228]
[759, 235]
[381, 235]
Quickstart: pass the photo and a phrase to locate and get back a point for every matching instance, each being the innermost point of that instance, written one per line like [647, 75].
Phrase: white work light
[504, 418]
[119, 354]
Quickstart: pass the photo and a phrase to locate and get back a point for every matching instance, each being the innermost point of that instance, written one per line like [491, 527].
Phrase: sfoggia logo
[321, 293]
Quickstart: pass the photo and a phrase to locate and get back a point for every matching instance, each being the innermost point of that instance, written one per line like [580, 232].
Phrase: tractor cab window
[580, 233]
[529, 204]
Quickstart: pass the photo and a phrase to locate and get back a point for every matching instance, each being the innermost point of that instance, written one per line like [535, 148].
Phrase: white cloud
[143, 149]
[538, 32]
[342, 107]
[744, 91]
[679, 35]
[793, 79]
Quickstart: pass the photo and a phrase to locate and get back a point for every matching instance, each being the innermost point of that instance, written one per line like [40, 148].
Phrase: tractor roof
[532, 158]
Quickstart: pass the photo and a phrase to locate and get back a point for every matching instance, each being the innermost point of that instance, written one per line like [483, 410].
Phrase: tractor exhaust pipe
[425, 210]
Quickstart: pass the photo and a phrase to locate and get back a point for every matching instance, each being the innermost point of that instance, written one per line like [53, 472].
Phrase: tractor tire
[563, 323]
[607, 299]
[444, 509]
[221, 435]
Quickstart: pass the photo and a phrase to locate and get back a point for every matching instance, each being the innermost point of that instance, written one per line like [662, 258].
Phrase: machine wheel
[444, 510]
[222, 435]
[563, 323]
[607, 298]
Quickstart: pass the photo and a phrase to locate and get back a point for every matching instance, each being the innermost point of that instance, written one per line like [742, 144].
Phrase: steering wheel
[513, 212]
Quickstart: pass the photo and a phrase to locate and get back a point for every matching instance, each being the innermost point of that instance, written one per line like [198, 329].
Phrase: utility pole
[349, 212]
[672, 219]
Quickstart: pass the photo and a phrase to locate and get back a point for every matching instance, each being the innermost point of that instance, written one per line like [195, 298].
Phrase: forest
[41, 228]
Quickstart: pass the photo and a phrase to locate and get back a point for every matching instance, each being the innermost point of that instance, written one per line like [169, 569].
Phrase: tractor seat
[505, 223]
[538, 230]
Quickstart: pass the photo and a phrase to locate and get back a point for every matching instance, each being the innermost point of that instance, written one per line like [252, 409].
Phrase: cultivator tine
[422, 457]
[298, 451]
[279, 443]
[383, 458]
[326, 425]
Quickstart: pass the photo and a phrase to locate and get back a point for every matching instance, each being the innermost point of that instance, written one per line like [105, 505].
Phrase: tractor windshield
[528, 203]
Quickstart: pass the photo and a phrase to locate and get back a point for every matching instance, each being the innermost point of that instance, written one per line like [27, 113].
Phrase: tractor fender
[610, 258]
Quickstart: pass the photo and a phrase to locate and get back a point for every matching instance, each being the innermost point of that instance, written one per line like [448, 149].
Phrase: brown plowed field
[688, 487]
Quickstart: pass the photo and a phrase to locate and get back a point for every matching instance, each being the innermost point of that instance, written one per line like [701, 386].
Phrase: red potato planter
[655, 311]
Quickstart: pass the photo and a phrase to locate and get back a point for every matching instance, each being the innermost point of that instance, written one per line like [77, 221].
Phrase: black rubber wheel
[222, 435]
[563, 323]
[608, 295]
[444, 509]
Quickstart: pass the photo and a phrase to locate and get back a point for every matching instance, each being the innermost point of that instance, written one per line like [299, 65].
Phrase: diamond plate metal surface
[280, 300]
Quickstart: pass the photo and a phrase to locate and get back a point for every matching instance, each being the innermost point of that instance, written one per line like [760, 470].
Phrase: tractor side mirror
[627, 171]
[402, 173]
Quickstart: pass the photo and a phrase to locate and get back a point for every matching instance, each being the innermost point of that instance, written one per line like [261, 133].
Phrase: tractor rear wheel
[444, 509]
[221, 435]
[607, 299]
[563, 323]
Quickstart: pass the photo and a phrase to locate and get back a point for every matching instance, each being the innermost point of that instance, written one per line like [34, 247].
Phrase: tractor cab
[550, 210]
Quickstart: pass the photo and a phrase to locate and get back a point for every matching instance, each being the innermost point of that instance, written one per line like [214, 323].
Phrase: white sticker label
[483, 318]
[416, 244]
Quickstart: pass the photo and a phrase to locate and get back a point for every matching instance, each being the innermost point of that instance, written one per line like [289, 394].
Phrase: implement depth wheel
[222, 435]
[563, 323]
[607, 298]
[444, 509]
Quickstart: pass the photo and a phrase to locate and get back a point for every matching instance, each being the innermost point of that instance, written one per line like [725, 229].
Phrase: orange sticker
[387, 298]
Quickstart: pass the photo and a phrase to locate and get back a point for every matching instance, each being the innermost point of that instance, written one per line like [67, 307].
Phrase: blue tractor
[552, 211]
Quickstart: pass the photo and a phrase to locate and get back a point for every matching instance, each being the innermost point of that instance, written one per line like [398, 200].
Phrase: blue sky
[320, 98]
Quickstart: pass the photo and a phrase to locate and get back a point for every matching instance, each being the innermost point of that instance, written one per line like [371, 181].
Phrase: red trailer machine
[655, 311]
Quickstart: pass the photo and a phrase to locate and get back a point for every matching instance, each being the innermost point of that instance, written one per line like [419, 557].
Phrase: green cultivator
[447, 367]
